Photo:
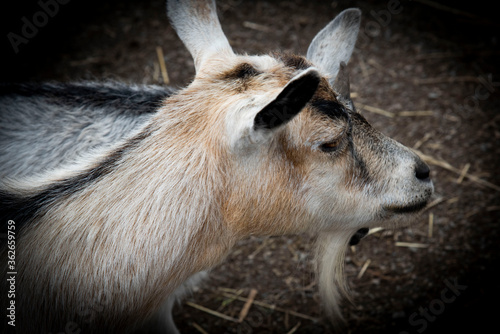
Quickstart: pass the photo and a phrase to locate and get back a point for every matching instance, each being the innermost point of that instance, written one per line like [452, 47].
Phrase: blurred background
[424, 72]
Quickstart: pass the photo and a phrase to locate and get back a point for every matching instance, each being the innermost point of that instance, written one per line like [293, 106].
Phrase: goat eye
[330, 146]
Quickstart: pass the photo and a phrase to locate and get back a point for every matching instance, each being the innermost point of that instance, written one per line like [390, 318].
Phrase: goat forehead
[274, 61]
[262, 63]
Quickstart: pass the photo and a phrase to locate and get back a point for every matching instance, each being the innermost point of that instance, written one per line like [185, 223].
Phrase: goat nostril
[422, 172]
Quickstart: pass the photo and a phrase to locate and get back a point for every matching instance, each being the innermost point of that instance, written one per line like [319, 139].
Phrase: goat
[122, 195]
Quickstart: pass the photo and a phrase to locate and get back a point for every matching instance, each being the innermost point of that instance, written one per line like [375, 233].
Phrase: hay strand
[376, 110]
[248, 304]
[258, 249]
[271, 307]
[199, 328]
[256, 26]
[419, 113]
[163, 66]
[420, 142]
[434, 203]
[363, 269]
[211, 312]
[294, 329]
[411, 244]
[375, 230]
[463, 173]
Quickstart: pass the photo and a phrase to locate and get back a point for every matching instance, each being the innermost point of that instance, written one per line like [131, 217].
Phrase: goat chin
[330, 254]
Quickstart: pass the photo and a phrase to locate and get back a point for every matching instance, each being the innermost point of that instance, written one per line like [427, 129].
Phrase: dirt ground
[424, 74]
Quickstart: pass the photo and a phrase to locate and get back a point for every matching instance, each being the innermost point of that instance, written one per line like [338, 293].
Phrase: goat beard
[330, 255]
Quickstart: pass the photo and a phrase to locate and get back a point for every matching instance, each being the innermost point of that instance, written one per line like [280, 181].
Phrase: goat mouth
[406, 209]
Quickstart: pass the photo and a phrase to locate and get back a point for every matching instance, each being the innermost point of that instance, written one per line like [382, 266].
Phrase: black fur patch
[294, 61]
[360, 234]
[242, 71]
[332, 109]
[360, 166]
[114, 96]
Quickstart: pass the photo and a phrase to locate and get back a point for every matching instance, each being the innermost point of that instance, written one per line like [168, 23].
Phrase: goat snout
[411, 187]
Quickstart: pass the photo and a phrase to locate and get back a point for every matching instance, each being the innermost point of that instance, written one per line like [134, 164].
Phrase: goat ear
[342, 86]
[289, 102]
[335, 42]
[255, 122]
[198, 26]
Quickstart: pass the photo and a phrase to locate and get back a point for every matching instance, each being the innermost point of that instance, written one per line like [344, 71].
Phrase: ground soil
[440, 61]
